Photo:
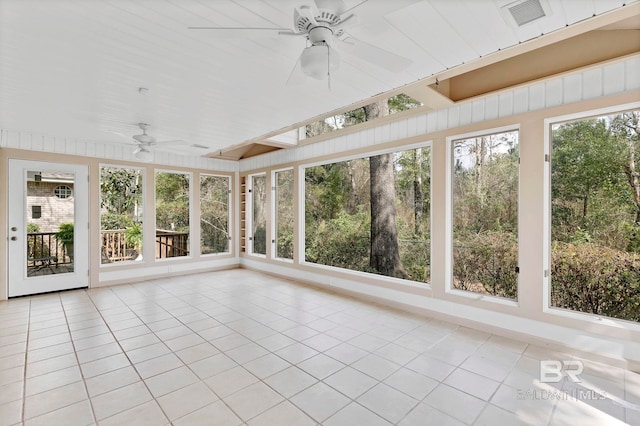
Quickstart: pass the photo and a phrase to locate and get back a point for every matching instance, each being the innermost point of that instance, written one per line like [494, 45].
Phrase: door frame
[19, 284]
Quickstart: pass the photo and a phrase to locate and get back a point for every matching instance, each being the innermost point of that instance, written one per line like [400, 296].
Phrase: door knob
[14, 238]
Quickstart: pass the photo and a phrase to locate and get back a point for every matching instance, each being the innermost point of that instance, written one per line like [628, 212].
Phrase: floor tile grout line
[26, 360]
[128, 359]
[171, 351]
[75, 352]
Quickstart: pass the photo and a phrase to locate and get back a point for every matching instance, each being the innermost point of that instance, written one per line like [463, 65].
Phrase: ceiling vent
[522, 12]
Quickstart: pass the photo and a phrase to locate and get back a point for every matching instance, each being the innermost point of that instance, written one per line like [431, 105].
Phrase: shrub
[113, 221]
[486, 263]
[595, 279]
[343, 242]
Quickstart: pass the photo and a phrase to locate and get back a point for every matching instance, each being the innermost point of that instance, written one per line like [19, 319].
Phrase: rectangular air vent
[522, 12]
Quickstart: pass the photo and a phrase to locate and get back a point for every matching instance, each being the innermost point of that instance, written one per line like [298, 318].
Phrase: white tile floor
[238, 347]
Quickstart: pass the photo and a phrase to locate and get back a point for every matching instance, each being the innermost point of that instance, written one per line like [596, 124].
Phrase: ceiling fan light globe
[319, 60]
[143, 154]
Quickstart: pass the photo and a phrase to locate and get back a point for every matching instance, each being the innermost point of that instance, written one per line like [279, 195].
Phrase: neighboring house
[50, 200]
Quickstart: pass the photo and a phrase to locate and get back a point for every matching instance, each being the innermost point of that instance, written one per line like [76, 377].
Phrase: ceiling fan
[146, 141]
[324, 24]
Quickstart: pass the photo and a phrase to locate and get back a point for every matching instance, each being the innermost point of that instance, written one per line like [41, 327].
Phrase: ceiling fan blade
[241, 32]
[374, 55]
[119, 134]
[176, 141]
[346, 21]
[369, 10]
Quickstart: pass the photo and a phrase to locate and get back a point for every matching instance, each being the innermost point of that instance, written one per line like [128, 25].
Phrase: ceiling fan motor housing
[320, 34]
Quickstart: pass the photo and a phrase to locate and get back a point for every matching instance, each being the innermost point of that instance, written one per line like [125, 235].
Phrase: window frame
[274, 215]
[143, 185]
[229, 215]
[301, 222]
[448, 264]
[68, 191]
[191, 214]
[559, 312]
[249, 219]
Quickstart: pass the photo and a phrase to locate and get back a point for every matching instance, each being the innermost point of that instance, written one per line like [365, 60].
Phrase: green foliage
[594, 279]
[65, 233]
[214, 214]
[120, 190]
[133, 235]
[587, 179]
[113, 221]
[328, 190]
[595, 229]
[36, 248]
[342, 241]
[285, 223]
[260, 240]
[172, 201]
[398, 103]
[402, 102]
[486, 263]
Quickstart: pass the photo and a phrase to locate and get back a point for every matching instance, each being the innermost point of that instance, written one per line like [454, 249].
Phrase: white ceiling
[73, 68]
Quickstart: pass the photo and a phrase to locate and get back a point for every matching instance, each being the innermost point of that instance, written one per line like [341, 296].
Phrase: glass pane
[284, 214]
[50, 223]
[121, 214]
[172, 214]
[259, 221]
[595, 216]
[214, 214]
[339, 213]
[485, 214]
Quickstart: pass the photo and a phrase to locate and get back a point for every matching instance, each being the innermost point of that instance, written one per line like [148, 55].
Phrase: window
[36, 212]
[485, 214]
[214, 214]
[173, 209]
[283, 217]
[63, 191]
[121, 214]
[390, 236]
[258, 237]
[595, 215]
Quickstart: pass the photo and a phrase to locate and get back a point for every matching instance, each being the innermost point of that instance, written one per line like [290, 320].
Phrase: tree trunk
[385, 252]
[481, 153]
[633, 177]
[418, 197]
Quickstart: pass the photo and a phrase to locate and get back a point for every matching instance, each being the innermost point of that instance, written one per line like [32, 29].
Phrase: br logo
[552, 371]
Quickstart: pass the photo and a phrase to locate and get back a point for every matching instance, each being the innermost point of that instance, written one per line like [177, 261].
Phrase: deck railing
[171, 244]
[168, 244]
[115, 247]
[44, 247]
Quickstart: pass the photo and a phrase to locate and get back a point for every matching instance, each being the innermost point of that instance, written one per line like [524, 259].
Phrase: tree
[172, 201]
[587, 178]
[626, 127]
[120, 190]
[385, 251]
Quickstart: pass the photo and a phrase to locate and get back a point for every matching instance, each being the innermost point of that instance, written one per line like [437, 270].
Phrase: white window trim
[449, 289]
[301, 223]
[229, 221]
[249, 213]
[546, 280]
[274, 209]
[143, 171]
[191, 215]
